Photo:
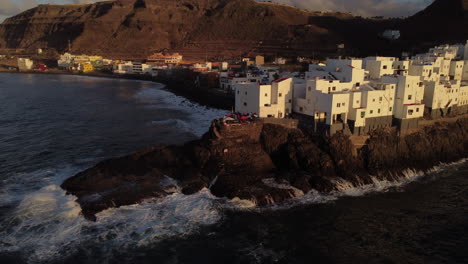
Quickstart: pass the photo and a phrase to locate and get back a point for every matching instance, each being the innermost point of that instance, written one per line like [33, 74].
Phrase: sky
[389, 8]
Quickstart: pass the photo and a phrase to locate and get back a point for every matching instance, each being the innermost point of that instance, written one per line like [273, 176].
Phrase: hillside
[443, 20]
[133, 29]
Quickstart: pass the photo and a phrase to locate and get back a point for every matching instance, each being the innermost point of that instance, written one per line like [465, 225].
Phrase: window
[373, 99]
[338, 105]
[357, 101]
[363, 114]
[310, 88]
[266, 95]
[245, 104]
[245, 92]
[289, 101]
[417, 110]
[371, 111]
[385, 67]
[237, 91]
[358, 84]
[410, 112]
[333, 88]
[390, 109]
[409, 97]
[280, 94]
[300, 109]
[380, 99]
[343, 104]
[378, 111]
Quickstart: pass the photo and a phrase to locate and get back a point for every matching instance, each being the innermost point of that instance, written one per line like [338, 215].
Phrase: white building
[462, 107]
[456, 69]
[409, 107]
[65, 61]
[228, 81]
[25, 64]
[379, 66]
[350, 71]
[273, 100]
[136, 68]
[173, 58]
[224, 66]
[441, 97]
[280, 61]
[391, 34]
[371, 107]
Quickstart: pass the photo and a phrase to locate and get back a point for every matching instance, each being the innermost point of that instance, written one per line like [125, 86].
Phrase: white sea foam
[346, 189]
[47, 223]
[14, 188]
[198, 117]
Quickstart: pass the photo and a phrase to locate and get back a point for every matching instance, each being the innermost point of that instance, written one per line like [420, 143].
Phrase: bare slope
[223, 28]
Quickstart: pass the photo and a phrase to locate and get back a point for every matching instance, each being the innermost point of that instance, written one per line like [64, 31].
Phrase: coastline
[203, 96]
[267, 163]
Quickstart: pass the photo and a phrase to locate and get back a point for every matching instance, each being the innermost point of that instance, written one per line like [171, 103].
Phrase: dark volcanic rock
[264, 163]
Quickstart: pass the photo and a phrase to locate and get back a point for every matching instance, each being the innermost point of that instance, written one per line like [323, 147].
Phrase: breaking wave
[347, 189]
[192, 116]
[47, 224]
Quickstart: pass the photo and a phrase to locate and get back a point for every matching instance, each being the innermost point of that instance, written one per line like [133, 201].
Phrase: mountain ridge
[220, 29]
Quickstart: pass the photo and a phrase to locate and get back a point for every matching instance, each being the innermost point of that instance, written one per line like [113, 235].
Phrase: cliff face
[264, 163]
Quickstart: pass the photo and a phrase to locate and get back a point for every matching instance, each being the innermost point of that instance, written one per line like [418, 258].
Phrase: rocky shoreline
[265, 163]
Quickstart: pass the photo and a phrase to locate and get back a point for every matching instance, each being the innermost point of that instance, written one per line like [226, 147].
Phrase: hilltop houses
[160, 58]
[360, 95]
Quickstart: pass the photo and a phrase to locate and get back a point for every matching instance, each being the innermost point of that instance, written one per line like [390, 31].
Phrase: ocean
[54, 126]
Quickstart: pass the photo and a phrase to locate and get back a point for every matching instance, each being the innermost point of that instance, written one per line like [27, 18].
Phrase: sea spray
[47, 224]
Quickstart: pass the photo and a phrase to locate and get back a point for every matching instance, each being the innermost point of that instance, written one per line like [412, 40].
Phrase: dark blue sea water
[53, 126]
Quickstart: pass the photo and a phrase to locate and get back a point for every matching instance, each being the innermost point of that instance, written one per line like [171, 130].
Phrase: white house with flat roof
[408, 107]
[426, 71]
[273, 100]
[25, 64]
[371, 107]
[462, 106]
[441, 97]
[379, 66]
[456, 69]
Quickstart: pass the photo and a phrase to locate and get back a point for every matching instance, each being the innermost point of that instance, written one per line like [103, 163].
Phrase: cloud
[10, 7]
[13, 7]
[388, 8]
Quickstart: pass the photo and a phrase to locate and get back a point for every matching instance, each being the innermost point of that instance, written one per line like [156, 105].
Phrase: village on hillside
[354, 95]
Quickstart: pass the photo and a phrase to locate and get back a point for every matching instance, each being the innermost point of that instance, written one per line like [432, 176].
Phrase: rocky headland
[267, 162]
